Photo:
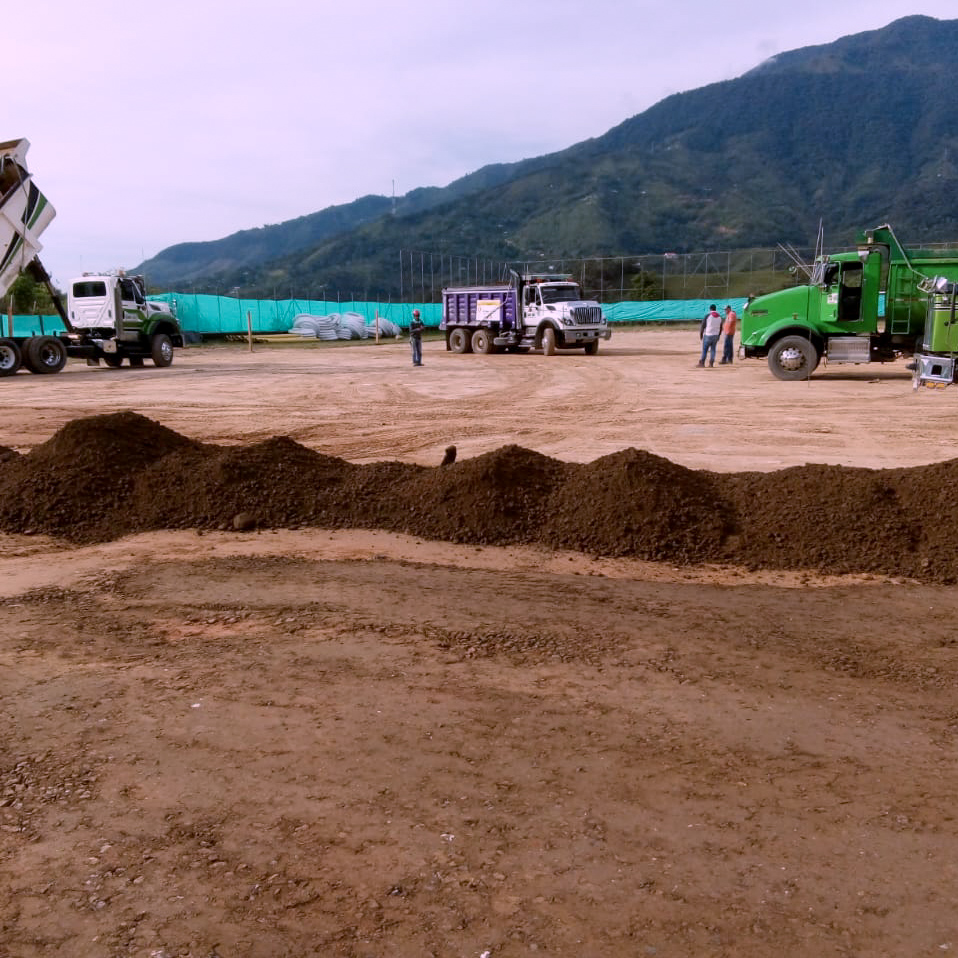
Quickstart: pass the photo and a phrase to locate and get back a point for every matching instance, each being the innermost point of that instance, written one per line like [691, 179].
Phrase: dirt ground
[310, 742]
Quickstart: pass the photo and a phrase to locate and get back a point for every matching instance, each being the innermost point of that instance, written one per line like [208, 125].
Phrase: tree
[645, 287]
[30, 297]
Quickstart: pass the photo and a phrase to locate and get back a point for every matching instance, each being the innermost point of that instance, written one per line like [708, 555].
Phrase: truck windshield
[130, 291]
[94, 288]
[560, 294]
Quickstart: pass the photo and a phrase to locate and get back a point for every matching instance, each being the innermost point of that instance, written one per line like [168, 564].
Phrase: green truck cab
[864, 306]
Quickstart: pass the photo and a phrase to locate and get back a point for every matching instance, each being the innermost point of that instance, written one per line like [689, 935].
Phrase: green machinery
[935, 363]
[864, 306]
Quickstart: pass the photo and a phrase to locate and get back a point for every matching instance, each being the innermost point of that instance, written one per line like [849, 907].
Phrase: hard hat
[415, 312]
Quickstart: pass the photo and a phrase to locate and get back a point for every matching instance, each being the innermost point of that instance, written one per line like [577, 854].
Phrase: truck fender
[542, 327]
[782, 329]
[169, 328]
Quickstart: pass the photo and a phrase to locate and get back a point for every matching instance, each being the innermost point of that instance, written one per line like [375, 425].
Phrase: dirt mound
[828, 517]
[499, 497]
[276, 483]
[106, 476]
[637, 504]
[78, 484]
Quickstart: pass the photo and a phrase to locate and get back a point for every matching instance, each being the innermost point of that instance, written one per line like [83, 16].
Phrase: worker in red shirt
[729, 325]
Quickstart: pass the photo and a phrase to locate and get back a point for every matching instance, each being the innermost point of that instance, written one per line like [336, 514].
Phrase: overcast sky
[158, 123]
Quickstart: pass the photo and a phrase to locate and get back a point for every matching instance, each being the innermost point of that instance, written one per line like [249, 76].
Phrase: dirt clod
[244, 521]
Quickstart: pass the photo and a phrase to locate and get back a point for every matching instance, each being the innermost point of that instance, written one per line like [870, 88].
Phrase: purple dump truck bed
[480, 306]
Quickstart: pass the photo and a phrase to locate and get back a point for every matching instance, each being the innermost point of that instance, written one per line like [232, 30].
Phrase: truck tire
[793, 357]
[44, 354]
[592, 347]
[459, 341]
[548, 341]
[112, 360]
[136, 361]
[161, 349]
[10, 358]
[482, 342]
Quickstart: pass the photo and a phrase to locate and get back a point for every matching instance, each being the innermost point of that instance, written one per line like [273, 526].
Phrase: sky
[156, 123]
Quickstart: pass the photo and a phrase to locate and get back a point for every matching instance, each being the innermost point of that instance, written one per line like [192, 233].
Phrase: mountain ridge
[857, 131]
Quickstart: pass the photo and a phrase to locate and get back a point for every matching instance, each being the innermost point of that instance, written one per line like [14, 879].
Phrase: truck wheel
[136, 361]
[459, 341]
[592, 347]
[793, 357]
[161, 349]
[112, 360]
[482, 342]
[45, 354]
[548, 341]
[10, 358]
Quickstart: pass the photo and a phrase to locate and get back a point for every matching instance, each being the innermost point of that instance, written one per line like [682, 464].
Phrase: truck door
[830, 288]
[530, 303]
[134, 308]
[842, 296]
[849, 307]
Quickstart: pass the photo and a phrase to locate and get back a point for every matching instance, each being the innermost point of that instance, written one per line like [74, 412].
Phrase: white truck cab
[92, 302]
[111, 319]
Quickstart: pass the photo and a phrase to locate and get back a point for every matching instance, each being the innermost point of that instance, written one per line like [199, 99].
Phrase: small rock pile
[106, 476]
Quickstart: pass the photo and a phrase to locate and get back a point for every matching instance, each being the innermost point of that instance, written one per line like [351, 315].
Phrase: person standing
[709, 331]
[415, 337]
[729, 325]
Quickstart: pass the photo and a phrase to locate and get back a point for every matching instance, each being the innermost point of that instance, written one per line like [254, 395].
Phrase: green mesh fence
[207, 314]
[667, 310]
[224, 315]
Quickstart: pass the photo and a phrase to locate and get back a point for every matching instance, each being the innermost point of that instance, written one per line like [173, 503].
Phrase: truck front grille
[587, 315]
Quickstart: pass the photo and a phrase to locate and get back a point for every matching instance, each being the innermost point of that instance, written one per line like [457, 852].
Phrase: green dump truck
[868, 305]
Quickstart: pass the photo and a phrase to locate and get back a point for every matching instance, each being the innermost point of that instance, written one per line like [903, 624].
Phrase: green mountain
[853, 133]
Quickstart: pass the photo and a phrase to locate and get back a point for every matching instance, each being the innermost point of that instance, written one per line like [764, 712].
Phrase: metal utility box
[941, 327]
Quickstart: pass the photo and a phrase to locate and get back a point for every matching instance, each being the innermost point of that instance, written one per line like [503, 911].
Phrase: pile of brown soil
[633, 503]
[106, 476]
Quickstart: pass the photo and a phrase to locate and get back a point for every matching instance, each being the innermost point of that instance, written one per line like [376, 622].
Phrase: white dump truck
[533, 311]
[107, 317]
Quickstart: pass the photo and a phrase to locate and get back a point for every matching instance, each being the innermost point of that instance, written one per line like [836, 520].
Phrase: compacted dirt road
[343, 741]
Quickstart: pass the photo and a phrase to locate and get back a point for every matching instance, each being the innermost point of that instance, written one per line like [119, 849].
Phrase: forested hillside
[853, 133]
